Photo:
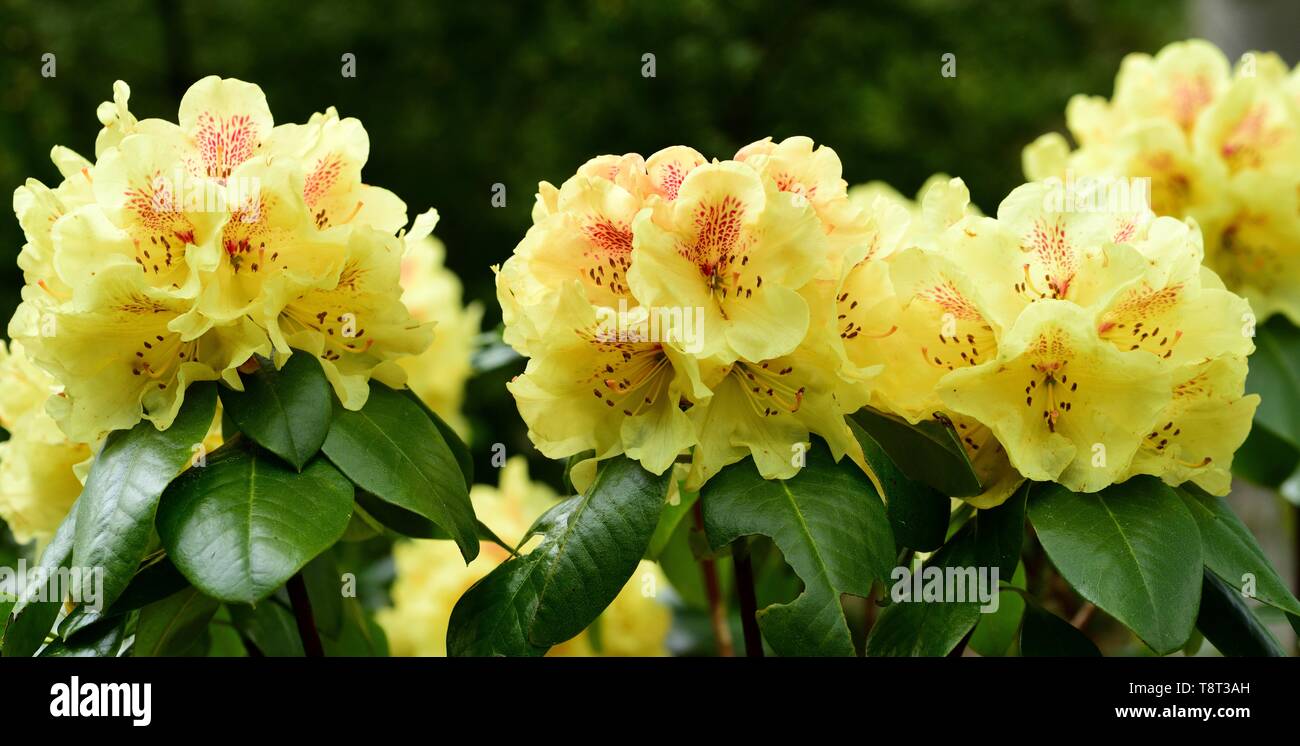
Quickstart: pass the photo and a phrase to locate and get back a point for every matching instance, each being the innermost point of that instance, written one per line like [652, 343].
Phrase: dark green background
[458, 96]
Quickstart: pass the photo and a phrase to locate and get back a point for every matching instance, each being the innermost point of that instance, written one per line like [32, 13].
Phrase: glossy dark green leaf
[270, 626]
[997, 534]
[590, 547]
[409, 524]
[918, 513]
[1045, 634]
[921, 629]
[464, 458]
[989, 540]
[223, 639]
[928, 452]
[286, 411]
[828, 522]
[1228, 623]
[1275, 376]
[1265, 458]
[103, 639]
[1231, 551]
[1132, 549]
[156, 579]
[31, 620]
[359, 634]
[392, 450]
[174, 626]
[115, 513]
[241, 526]
[324, 583]
[995, 633]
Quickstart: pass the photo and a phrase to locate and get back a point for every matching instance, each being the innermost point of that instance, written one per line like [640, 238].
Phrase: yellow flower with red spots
[186, 247]
[1218, 143]
[674, 308]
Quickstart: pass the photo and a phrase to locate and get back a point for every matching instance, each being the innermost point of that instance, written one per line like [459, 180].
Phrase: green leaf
[115, 513]
[464, 458]
[991, 539]
[670, 519]
[830, 525]
[103, 639]
[1231, 550]
[415, 526]
[155, 580]
[1045, 634]
[1132, 549]
[1229, 624]
[270, 626]
[241, 526]
[224, 639]
[995, 633]
[592, 545]
[1265, 458]
[917, 512]
[359, 636]
[30, 620]
[927, 452]
[1275, 376]
[174, 626]
[286, 411]
[392, 450]
[324, 584]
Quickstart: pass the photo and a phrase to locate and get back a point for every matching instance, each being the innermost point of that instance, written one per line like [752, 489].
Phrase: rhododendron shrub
[209, 371]
[827, 369]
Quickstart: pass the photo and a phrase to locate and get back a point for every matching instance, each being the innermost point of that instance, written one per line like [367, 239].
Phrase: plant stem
[748, 602]
[717, 611]
[311, 643]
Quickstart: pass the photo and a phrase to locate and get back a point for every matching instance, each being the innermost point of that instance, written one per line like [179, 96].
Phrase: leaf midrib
[1146, 588]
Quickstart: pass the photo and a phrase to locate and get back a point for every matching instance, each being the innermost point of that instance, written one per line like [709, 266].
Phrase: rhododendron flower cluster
[1075, 346]
[672, 304]
[186, 248]
[1219, 144]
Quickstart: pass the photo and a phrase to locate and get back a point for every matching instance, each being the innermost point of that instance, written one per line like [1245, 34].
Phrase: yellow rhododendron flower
[669, 304]
[38, 483]
[601, 383]
[583, 231]
[816, 175]
[1219, 144]
[187, 247]
[1058, 339]
[1099, 329]
[432, 294]
[908, 313]
[431, 577]
[737, 249]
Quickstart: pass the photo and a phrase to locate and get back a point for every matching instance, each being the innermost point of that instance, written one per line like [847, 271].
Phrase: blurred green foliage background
[458, 96]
